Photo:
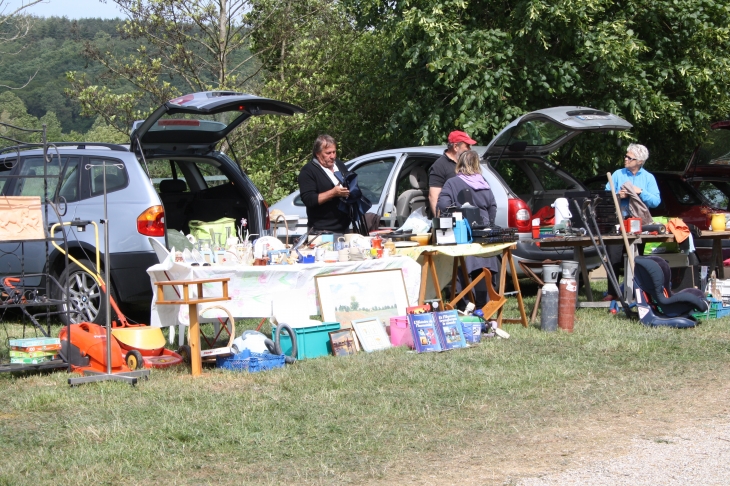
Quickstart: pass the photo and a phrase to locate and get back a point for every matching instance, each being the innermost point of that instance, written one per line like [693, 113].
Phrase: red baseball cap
[457, 136]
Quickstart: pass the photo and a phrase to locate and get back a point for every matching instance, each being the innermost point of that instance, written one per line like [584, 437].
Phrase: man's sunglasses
[629, 158]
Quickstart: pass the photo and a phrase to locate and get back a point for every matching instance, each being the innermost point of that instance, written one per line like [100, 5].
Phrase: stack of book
[34, 350]
[436, 331]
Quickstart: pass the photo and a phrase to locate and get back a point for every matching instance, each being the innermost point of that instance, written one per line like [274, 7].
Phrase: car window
[718, 193]
[32, 173]
[116, 175]
[5, 167]
[515, 177]
[533, 133]
[70, 183]
[715, 150]
[551, 180]
[682, 193]
[211, 174]
[372, 176]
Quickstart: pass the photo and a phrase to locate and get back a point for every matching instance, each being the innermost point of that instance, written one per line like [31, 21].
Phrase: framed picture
[343, 342]
[346, 297]
[371, 334]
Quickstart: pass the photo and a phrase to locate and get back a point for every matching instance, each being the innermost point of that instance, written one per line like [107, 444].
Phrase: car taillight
[518, 215]
[152, 221]
[267, 220]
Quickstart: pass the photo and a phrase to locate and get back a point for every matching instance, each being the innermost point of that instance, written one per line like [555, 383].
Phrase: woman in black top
[320, 187]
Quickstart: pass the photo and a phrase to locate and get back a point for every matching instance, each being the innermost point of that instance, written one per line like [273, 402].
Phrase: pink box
[400, 332]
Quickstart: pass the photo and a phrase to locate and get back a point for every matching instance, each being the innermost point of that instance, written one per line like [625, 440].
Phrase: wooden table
[427, 255]
[186, 297]
[580, 242]
[716, 259]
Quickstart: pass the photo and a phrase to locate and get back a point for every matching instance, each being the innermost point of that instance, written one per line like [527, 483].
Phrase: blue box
[312, 341]
[472, 327]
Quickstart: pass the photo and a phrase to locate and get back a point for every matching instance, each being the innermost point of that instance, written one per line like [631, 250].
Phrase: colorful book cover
[449, 328]
[418, 309]
[43, 347]
[24, 343]
[425, 334]
[31, 354]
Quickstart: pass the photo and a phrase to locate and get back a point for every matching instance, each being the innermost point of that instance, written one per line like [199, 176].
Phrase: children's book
[425, 335]
[449, 328]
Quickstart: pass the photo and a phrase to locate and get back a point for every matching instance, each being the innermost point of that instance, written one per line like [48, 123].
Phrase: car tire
[87, 299]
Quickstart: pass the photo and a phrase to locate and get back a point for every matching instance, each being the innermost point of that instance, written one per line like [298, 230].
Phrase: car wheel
[87, 299]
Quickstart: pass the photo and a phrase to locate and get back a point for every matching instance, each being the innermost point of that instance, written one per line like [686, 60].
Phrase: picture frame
[371, 334]
[343, 342]
[346, 297]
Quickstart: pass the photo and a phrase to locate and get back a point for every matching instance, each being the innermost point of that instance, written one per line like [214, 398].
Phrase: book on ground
[425, 335]
[449, 328]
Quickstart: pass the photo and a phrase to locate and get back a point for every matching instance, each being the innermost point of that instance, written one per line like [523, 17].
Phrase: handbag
[222, 228]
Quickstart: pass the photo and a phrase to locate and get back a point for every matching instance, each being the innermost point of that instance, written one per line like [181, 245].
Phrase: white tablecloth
[254, 289]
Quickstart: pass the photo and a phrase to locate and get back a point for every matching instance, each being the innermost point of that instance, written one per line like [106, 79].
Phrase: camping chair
[658, 306]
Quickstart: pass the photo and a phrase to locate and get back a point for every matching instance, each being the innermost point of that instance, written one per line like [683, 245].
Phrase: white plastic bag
[417, 222]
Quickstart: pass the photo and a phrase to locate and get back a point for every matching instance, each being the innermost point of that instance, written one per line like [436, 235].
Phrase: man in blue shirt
[645, 187]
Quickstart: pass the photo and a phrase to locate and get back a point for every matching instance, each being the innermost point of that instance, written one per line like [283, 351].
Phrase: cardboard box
[39, 360]
[24, 343]
[30, 349]
[31, 354]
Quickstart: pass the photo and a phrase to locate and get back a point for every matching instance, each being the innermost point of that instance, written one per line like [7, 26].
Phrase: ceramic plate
[405, 244]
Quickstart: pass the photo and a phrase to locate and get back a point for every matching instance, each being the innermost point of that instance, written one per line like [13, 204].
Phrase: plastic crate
[312, 341]
[251, 362]
[714, 311]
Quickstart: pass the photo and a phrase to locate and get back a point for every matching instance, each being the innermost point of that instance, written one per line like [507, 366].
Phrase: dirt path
[640, 445]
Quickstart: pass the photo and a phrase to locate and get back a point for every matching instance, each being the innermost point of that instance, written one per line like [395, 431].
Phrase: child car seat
[658, 306]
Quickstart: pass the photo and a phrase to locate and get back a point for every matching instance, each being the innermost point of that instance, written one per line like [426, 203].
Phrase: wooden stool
[196, 366]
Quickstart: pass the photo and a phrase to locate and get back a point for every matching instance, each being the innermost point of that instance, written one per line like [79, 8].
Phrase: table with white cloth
[441, 262]
[254, 289]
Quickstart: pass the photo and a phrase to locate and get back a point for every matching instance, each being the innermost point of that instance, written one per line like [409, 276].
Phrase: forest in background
[384, 74]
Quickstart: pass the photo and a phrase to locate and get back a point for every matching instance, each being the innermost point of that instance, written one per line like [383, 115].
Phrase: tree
[14, 26]
[476, 65]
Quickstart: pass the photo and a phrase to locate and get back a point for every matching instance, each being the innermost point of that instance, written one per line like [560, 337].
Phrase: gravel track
[699, 455]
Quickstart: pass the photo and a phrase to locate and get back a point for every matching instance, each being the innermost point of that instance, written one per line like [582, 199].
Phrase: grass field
[386, 417]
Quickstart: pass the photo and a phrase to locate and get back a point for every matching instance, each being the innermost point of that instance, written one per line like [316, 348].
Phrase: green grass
[341, 420]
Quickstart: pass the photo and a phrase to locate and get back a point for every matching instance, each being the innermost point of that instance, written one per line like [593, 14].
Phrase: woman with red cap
[445, 166]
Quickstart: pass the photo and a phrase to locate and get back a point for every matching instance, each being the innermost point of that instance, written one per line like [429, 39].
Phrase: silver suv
[175, 147]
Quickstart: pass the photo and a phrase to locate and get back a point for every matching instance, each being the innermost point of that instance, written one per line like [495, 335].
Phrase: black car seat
[658, 306]
[414, 198]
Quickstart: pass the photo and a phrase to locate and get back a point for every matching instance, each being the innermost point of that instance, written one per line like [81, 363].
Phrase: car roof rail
[83, 145]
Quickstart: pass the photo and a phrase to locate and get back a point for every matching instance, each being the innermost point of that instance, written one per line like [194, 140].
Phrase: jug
[718, 222]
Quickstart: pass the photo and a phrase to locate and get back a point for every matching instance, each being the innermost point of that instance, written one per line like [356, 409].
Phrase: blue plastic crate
[251, 362]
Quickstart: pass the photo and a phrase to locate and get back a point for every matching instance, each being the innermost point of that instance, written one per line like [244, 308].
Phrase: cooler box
[312, 341]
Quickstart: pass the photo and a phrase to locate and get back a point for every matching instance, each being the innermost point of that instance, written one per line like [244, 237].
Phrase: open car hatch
[544, 131]
[196, 122]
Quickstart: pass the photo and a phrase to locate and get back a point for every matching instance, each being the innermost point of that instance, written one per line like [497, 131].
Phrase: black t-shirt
[441, 171]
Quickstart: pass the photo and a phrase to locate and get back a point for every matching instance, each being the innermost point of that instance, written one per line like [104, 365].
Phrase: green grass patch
[340, 420]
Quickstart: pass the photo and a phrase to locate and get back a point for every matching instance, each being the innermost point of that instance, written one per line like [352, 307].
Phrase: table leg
[507, 255]
[435, 280]
[424, 278]
[717, 257]
[462, 263]
[196, 365]
[584, 272]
